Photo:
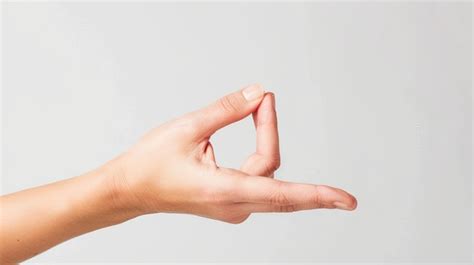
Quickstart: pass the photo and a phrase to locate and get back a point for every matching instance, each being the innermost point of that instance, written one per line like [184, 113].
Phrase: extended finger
[256, 189]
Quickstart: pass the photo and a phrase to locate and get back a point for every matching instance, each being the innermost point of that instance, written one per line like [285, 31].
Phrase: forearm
[37, 219]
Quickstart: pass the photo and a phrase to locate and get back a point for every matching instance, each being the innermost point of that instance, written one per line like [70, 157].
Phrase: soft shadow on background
[372, 97]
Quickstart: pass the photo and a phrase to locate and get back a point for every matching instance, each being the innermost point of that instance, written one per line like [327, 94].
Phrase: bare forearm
[37, 219]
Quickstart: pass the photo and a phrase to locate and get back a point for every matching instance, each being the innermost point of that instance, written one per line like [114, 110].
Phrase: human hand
[173, 167]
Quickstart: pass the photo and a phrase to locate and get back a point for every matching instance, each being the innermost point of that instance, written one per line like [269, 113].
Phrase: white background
[374, 98]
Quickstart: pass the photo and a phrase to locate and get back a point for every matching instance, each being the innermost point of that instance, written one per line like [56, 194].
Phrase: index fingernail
[253, 92]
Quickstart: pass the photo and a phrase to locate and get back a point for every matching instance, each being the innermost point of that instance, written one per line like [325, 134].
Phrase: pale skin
[171, 169]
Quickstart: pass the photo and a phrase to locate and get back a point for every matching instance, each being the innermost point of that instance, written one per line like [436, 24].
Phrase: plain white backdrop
[372, 97]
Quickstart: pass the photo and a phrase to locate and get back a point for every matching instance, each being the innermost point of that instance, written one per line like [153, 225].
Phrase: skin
[171, 169]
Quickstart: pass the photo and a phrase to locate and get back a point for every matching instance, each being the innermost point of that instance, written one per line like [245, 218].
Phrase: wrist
[119, 192]
[116, 196]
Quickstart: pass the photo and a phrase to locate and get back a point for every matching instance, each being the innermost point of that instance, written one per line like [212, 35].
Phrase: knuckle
[276, 162]
[272, 164]
[229, 104]
[317, 200]
[287, 208]
[279, 197]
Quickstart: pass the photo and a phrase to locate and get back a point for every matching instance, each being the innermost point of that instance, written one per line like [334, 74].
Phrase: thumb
[227, 110]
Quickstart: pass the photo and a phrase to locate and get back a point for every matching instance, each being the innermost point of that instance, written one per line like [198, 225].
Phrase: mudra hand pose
[172, 169]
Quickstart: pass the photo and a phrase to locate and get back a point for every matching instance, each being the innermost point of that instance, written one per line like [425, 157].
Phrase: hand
[173, 167]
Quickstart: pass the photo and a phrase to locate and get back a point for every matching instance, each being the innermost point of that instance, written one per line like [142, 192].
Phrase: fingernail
[253, 92]
[273, 101]
[341, 206]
